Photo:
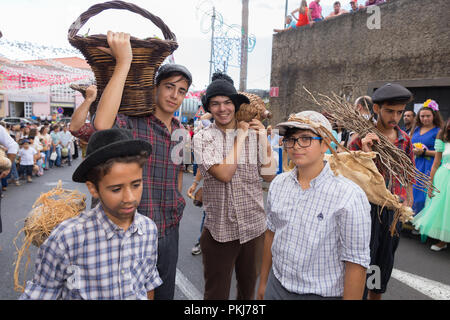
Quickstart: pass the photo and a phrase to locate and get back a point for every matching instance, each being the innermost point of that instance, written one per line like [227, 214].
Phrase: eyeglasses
[303, 142]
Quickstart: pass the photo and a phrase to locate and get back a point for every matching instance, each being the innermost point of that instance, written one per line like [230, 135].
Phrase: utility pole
[285, 14]
[213, 20]
[244, 47]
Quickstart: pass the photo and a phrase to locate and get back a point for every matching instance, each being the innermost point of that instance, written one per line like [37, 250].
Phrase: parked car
[66, 120]
[16, 120]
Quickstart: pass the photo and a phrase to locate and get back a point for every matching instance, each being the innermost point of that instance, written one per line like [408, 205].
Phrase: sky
[46, 22]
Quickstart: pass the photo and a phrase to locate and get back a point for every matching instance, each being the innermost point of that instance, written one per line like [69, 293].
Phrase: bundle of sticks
[395, 161]
[49, 210]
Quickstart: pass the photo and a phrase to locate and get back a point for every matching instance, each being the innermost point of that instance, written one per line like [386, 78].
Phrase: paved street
[419, 272]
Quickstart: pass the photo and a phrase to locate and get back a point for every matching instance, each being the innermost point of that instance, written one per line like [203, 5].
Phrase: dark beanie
[223, 85]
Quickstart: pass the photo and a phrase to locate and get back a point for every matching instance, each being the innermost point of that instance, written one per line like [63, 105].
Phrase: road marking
[188, 289]
[430, 288]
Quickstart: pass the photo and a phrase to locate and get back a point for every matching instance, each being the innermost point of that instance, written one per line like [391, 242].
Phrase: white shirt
[8, 142]
[65, 138]
[316, 231]
[27, 156]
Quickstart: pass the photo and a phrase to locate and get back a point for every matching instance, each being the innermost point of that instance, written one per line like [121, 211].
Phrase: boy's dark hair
[393, 102]
[98, 172]
[171, 74]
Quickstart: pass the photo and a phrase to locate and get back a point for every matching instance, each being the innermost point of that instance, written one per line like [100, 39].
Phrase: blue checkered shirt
[89, 257]
[316, 231]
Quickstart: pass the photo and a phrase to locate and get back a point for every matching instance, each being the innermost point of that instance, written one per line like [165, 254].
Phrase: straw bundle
[255, 110]
[394, 160]
[49, 210]
[359, 167]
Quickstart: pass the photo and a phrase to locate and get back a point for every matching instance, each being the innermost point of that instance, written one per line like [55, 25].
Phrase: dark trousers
[219, 260]
[167, 264]
[26, 170]
[382, 245]
[276, 291]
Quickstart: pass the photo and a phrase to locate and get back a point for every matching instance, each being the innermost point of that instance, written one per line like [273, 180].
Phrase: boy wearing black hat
[227, 155]
[389, 102]
[162, 200]
[109, 252]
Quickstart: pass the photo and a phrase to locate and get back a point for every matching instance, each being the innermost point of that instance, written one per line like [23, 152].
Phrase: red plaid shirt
[402, 142]
[161, 201]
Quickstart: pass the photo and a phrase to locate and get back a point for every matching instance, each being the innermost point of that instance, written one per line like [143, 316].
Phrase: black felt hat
[108, 144]
[391, 92]
[222, 85]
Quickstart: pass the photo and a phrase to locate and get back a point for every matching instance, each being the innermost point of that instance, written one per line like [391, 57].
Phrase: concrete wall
[344, 56]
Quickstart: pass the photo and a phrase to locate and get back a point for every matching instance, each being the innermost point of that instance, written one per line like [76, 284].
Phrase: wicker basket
[148, 54]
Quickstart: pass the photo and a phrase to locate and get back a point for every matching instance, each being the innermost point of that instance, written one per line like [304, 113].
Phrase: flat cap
[391, 91]
[173, 67]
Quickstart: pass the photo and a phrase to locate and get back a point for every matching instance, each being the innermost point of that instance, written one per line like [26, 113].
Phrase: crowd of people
[316, 238]
[308, 15]
[40, 147]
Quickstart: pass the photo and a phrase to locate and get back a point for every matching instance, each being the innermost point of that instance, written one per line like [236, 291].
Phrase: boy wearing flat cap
[389, 102]
[316, 246]
[162, 200]
[233, 231]
[109, 252]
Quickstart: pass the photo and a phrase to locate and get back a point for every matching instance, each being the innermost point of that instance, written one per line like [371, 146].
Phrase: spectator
[56, 147]
[337, 10]
[47, 144]
[374, 2]
[304, 15]
[364, 106]
[290, 23]
[27, 159]
[433, 220]
[427, 124]
[354, 6]
[66, 144]
[316, 10]
[408, 121]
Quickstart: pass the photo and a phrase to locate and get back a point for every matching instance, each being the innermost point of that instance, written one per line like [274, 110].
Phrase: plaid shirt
[161, 201]
[403, 142]
[89, 257]
[234, 210]
[316, 231]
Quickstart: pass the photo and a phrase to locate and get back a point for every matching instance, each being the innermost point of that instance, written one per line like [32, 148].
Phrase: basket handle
[97, 8]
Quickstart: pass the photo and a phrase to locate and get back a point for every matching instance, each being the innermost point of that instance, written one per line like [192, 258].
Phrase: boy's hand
[91, 93]
[119, 47]
[368, 141]
[191, 190]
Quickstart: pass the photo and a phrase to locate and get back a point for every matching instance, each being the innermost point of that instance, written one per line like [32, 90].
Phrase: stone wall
[344, 56]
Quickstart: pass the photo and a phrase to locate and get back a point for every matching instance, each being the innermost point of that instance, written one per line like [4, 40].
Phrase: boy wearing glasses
[317, 242]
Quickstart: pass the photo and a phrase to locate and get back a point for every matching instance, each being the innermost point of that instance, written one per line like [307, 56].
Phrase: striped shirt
[90, 258]
[316, 231]
[234, 210]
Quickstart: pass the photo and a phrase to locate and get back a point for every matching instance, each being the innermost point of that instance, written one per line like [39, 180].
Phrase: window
[28, 109]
